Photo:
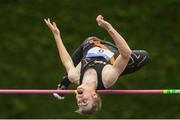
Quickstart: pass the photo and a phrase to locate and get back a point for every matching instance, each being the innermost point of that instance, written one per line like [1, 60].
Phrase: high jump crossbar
[38, 91]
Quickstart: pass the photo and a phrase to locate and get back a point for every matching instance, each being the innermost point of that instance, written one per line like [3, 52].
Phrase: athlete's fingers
[54, 24]
[99, 18]
[47, 21]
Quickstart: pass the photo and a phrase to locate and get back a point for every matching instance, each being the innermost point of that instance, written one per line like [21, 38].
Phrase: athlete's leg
[138, 59]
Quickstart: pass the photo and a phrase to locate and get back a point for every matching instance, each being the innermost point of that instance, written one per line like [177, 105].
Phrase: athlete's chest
[99, 52]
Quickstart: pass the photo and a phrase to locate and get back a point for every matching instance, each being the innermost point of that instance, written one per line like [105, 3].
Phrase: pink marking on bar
[25, 91]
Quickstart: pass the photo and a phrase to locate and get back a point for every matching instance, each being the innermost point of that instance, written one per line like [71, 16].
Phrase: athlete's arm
[64, 55]
[118, 39]
[123, 59]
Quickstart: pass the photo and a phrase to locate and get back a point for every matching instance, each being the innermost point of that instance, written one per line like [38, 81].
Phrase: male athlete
[96, 64]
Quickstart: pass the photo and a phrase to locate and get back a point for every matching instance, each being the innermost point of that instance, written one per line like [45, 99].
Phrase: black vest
[97, 63]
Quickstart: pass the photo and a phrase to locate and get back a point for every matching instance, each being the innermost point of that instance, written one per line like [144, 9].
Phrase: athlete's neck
[90, 79]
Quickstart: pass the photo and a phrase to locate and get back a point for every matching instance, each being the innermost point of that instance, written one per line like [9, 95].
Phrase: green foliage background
[29, 58]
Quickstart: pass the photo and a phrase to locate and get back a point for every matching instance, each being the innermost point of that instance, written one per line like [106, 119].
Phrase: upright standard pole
[25, 91]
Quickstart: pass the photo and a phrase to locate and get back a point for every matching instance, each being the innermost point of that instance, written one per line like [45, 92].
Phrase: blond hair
[97, 103]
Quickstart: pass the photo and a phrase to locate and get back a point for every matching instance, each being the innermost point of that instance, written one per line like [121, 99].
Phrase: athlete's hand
[60, 96]
[102, 23]
[52, 27]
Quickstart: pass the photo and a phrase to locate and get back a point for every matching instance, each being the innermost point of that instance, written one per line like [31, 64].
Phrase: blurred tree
[29, 57]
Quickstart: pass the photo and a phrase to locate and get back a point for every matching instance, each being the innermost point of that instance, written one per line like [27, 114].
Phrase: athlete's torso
[97, 56]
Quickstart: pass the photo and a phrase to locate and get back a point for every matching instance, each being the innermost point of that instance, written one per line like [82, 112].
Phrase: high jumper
[96, 65]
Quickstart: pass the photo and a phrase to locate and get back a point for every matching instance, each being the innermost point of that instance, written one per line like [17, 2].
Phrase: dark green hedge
[29, 58]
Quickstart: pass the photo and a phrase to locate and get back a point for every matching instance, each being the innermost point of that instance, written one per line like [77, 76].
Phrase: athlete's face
[85, 98]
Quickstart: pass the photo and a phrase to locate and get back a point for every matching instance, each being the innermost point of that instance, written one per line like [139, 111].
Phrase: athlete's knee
[139, 57]
[144, 57]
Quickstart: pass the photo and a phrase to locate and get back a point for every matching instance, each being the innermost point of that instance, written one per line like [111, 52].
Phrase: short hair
[97, 103]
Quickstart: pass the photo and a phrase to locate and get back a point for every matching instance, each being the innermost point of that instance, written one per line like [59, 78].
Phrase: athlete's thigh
[77, 55]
